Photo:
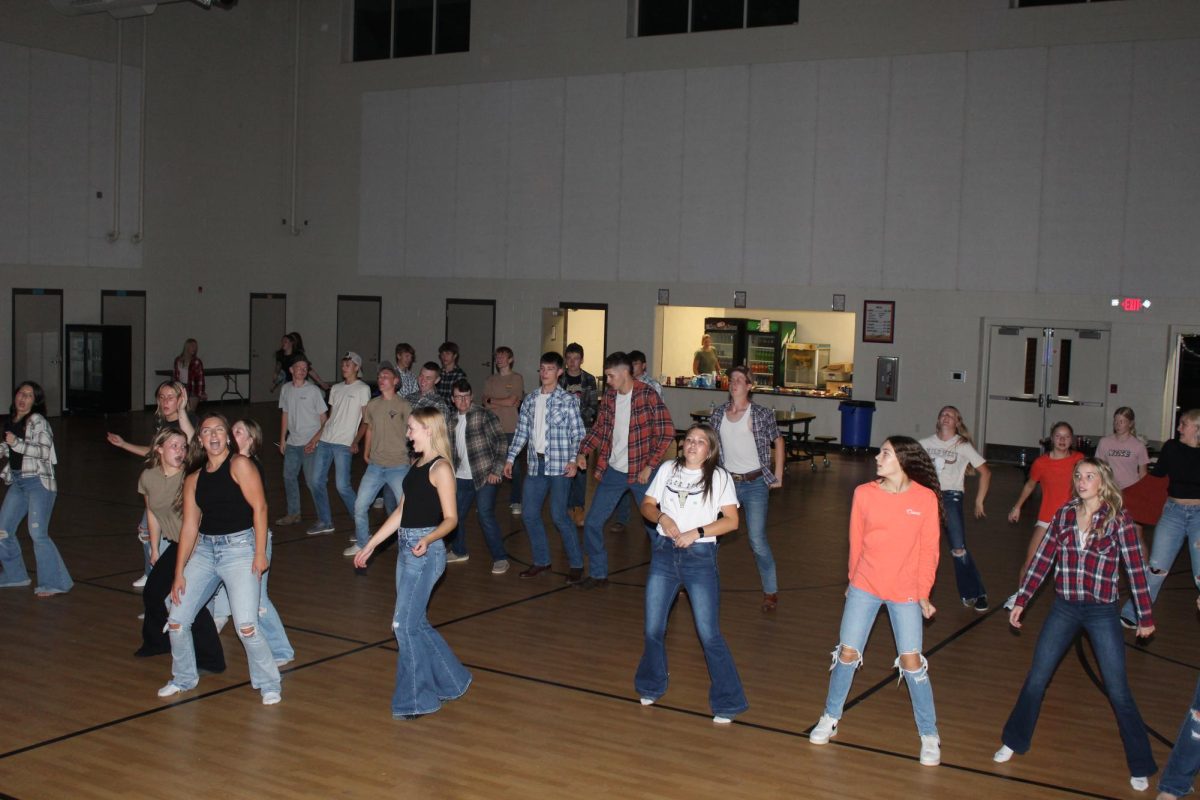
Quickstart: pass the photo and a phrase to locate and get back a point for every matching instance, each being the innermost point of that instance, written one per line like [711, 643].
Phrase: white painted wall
[963, 159]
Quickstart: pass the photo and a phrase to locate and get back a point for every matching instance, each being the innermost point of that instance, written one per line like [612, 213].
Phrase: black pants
[210, 656]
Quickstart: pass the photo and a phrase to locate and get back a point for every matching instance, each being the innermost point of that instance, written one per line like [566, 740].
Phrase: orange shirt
[894, 542]
[1056, 476]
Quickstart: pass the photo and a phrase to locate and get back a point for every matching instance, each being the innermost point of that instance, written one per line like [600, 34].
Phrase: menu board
[879, 321]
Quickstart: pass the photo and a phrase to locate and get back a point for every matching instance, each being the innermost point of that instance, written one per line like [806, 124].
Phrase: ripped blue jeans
[966, 574]
[857, 619]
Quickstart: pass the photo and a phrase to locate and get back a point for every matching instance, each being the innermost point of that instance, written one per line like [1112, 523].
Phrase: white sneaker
[500, 566]
[824, 730]
[140, 582]
[453, 557]
[1139, 783]
[271, 698]
[352, 550]
[931, 751]
[721, 719]
[647, 701]
[142, 615]
[171, 689]
[378, 503]
[515, 508]
[1003, 754]
[220, 623]
[1011, 602]
[319, 528]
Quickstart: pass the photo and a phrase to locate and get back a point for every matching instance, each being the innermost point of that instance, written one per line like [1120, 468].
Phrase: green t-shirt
[707, 361]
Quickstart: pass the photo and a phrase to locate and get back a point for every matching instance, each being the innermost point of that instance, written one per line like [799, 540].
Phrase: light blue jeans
[537, 486]
[858, 617]
[216, 559]
[269, 621]
[1178, 525]
[694, 569]
[752, 496]
[28, 499]
[609, 491]
[318, 479]
[427, 671]
[295, 459]
[374, 479]
[1185, 756]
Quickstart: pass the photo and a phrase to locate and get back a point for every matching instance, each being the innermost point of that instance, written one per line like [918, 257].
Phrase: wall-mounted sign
[879, 321]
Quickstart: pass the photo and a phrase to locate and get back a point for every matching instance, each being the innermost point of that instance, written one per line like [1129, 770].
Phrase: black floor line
[176, 704]
[928, 653]
[389, 644]
[1094, 677]
[1146, 651]
[789, 732]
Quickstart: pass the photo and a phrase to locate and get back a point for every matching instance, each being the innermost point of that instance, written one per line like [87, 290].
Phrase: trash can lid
[856, 404]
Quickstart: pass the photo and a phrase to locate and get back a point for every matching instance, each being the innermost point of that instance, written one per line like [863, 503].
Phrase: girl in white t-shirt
[692, 501]
[952, 452]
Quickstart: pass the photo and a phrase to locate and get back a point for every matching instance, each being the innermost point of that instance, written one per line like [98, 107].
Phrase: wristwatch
[700, 531]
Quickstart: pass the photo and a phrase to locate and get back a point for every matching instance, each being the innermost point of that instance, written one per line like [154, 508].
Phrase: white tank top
[737, 445]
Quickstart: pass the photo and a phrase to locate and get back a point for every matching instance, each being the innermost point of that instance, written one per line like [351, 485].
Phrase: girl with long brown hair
[894, 531]
[692, 502]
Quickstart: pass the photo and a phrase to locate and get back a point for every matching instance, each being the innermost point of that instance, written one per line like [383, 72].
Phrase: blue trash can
[856, 422]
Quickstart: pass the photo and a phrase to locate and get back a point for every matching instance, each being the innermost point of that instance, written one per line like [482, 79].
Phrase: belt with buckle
[747, 477]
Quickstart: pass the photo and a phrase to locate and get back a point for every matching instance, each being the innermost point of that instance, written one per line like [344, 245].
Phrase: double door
[1039, 375]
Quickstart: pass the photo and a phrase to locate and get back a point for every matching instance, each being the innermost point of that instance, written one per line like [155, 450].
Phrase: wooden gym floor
[552, 711]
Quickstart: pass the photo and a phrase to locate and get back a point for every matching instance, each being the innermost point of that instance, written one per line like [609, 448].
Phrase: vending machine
[765, 341]
[728, 339]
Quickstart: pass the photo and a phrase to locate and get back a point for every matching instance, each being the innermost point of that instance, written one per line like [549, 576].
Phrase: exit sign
[1131, 303]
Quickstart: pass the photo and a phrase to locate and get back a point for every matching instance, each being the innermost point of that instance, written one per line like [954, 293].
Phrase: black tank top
[223, 508]
[422, 508]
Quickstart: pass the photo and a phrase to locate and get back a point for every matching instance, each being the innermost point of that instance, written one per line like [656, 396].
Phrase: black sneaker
[981, 603]
[1128, 624]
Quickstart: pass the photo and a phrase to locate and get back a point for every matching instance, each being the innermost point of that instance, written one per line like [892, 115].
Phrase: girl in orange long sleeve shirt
[894, 529]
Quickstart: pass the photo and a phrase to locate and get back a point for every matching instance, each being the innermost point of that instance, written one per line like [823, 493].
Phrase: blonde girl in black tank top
[427, 671]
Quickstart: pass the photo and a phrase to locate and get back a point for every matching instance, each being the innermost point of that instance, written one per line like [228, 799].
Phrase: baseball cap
[350, 355]
[387, 365]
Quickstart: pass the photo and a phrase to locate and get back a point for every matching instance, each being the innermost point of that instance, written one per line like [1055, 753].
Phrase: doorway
[471, 324]
[37, 322]
[268, 324]
[1038, 374]
[128, 307]
[358, 323]
[587, 324]
[1183, 377]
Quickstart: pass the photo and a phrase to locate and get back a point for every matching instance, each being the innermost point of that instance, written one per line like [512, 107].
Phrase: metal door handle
[1015, 398]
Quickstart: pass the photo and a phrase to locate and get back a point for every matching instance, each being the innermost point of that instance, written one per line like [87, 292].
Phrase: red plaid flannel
[1089, 573]
[650, 430]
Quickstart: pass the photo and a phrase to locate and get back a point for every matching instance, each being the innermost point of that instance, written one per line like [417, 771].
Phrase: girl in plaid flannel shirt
[1088, 537]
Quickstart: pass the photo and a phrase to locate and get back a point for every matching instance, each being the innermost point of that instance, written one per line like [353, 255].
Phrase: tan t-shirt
[502, 387]
[160, 492]
[388, 421]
